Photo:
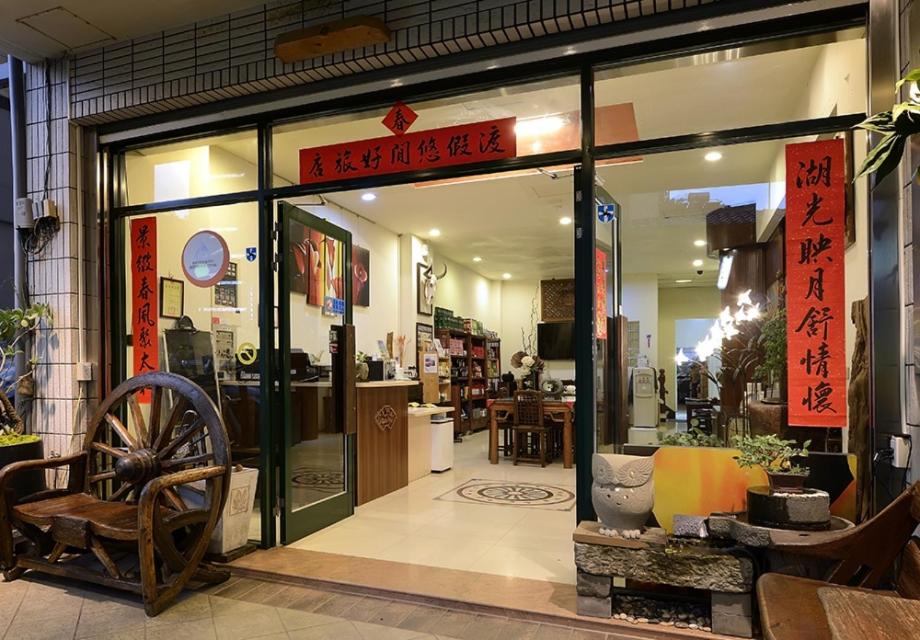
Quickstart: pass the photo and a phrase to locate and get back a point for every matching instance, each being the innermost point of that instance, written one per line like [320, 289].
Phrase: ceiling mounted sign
[205, 259]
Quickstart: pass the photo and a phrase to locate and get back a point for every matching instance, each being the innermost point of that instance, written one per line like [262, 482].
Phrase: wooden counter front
[383, 438]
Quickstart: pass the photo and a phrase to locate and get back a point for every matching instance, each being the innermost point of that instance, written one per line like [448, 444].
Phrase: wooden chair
[528, 431]
[142, 498]
[790, 608]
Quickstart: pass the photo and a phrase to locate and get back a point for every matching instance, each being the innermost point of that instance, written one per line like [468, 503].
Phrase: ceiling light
[369, 197]
[697, 263]
[533, 127]
[713, 156]
[565, 220]
[699, 243]
[434, 233]
[685, 281]
[477, 259]
[506, 276]
[725, 270]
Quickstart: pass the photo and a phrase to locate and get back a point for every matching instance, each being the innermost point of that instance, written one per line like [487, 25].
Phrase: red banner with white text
[461, 144]
[815, 291]
[144, 297]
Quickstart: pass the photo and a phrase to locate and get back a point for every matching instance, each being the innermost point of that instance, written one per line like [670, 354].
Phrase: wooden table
[558, 410]
[855, 615]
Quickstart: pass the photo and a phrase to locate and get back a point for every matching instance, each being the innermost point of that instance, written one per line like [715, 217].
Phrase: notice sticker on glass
[205, 259]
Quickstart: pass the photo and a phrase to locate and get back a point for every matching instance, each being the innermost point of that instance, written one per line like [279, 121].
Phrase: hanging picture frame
[424, 307]
[424, 333]
[172, 298]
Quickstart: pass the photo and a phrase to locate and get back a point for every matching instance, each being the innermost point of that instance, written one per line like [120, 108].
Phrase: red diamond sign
[400, 118]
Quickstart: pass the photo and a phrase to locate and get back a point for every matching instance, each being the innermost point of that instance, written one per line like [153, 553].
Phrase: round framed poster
[205, 259]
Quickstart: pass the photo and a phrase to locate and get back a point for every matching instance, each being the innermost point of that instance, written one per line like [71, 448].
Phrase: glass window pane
[176, 321]
[192, 168]
[547, 120]
[772, 82]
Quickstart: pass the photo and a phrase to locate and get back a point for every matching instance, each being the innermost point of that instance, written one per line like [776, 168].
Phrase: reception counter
[383, 437]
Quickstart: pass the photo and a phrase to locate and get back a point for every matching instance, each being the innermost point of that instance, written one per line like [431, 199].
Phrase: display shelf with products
[474, 366]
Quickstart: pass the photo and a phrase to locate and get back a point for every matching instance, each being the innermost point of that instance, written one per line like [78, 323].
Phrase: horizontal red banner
[450, 146]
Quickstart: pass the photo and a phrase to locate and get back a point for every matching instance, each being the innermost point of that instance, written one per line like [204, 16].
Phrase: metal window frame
[150, 131]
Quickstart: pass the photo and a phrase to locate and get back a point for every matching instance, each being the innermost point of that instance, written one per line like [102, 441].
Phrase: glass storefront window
[192, 308]
[766, 83]
[192, 168]
[547, 114]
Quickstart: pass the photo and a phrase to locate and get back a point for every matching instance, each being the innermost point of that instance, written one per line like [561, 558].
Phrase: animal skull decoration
[430, 279]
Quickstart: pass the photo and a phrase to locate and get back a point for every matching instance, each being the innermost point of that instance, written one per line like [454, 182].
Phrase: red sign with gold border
[144, 297]
[815, 288]
[450, 146]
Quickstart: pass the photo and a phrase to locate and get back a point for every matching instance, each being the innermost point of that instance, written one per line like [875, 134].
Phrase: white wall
[640, 303]
[469, 294]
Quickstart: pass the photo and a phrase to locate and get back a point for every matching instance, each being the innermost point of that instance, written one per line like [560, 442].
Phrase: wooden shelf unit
[471, 384]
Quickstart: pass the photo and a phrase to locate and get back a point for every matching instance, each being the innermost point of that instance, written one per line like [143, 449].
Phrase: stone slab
[594, 607]
[690, 526]
[736, 527]
[735, 604]
[729, 570]
[729, 625]
[591, 585]
[588, 532]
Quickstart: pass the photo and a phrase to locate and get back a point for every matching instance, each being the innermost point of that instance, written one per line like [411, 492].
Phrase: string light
[724, 328]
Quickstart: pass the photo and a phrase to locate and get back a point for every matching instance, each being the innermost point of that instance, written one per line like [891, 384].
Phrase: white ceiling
[39, 29]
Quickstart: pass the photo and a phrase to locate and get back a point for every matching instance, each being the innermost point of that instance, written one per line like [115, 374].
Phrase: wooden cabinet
[383, 438]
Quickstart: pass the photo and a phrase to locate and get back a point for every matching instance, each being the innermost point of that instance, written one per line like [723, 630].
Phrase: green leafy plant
[895, 126]
[16, 327]
[693, 438]
[771, 453]
[772, 343]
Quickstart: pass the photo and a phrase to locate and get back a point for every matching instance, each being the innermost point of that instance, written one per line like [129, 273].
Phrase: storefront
[216, 193]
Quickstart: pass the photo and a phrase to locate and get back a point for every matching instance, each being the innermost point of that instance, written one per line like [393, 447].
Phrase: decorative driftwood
[125, 488]
[858, 401]
[9, 417]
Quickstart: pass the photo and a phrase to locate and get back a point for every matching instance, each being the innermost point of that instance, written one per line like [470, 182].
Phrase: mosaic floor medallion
[518, 494]
[318, 479]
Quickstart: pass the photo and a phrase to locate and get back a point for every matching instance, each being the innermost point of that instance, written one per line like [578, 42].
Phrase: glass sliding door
[317, 373]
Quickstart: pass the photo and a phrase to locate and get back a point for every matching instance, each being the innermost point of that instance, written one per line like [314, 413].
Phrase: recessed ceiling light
[434, 233]
[565, 220]
[477, 259]
[699, 243]
[506, 276]
[713, 156]
[368, 197]
[682, 281]
[697, 263]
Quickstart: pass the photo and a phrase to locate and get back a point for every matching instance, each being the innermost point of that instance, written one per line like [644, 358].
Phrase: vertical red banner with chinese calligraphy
[144, 297]
[815, 291]
[600, 292]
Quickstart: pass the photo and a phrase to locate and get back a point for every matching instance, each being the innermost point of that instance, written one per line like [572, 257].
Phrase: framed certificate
[172, 298]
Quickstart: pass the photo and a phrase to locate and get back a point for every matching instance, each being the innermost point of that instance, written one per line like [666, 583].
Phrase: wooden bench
[862, 558]
[142, 497]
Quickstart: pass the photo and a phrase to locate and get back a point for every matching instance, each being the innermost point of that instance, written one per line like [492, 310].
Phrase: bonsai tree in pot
[17, 327]
[775, 456]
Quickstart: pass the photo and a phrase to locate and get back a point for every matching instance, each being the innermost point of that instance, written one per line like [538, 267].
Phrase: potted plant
[693, 438]
[775, 456]
[16, 327]
[772, 345]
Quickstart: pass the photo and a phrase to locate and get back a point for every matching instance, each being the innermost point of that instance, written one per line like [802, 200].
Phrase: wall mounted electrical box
[23, 217]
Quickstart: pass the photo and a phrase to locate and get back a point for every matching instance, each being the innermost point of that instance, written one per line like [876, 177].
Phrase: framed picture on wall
[360, 276]
[424, 306]
[424, 334]
[225, 291]
[172, 298]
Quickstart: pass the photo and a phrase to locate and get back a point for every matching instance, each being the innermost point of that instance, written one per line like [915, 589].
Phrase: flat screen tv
[556, 340]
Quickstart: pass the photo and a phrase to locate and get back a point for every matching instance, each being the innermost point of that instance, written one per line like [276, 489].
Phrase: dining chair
[530, 436]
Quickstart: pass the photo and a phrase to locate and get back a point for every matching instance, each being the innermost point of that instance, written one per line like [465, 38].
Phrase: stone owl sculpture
[623, 493]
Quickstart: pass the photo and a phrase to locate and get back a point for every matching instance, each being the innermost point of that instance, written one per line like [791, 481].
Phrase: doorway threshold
[516, 598]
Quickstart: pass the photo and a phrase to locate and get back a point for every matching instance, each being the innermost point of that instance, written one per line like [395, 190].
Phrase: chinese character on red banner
[144, 297]
[816, 306]
[399, 119]
[600, 292]
[461, 144]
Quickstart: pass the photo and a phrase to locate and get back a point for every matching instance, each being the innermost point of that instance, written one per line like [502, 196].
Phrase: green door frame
[312, 518]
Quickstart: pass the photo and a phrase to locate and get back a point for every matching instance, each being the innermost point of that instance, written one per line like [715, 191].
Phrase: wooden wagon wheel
[153, 425]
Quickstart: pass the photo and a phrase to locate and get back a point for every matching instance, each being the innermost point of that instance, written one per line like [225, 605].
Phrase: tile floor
[412, 526]
[45, 608]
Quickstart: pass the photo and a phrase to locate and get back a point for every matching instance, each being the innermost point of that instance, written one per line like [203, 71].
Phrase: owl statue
[623, 493]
